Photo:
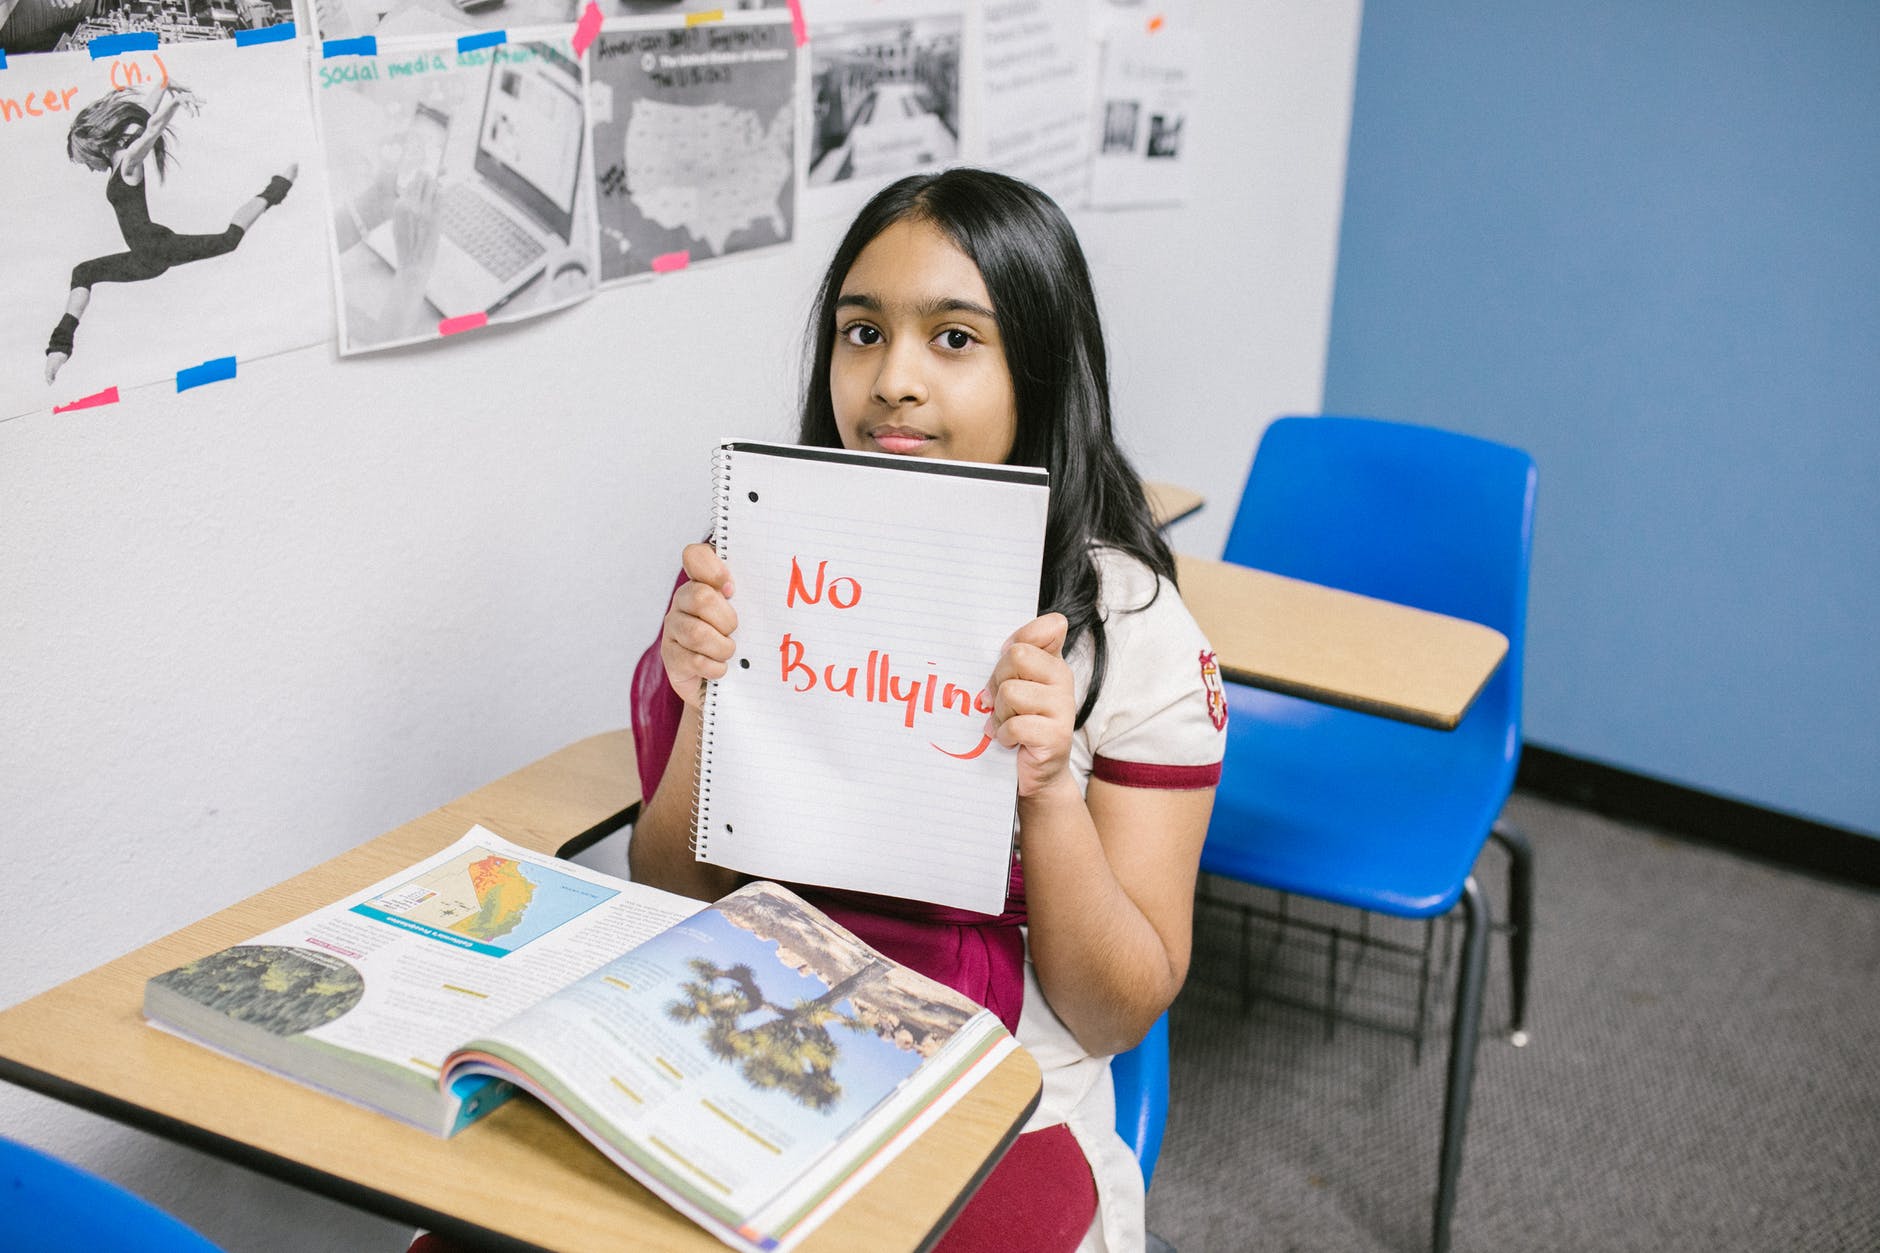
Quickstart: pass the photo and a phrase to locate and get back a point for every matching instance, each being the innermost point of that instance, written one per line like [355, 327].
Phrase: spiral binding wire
[721, 541]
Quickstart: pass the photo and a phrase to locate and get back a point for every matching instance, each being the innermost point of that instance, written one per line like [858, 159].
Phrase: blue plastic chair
[1360, 810]
[48, 1206]
[1141, 1079]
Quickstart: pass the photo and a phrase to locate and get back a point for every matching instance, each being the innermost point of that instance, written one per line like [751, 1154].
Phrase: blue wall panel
[1643, 243]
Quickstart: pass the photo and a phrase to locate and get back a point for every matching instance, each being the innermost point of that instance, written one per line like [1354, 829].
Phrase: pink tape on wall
[468, 322]
[667, 262]
[589, 27]
[108, 396]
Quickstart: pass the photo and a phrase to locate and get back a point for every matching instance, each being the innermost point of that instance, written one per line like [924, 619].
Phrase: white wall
[251, 626]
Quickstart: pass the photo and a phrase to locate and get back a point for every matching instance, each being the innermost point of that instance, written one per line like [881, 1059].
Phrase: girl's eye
[861, 334]
[956, 339]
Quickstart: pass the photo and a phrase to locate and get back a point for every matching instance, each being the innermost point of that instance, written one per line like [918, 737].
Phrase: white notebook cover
[846, 746]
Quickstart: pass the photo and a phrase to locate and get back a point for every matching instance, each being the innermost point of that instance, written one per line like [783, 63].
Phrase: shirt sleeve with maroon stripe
[1160, 720]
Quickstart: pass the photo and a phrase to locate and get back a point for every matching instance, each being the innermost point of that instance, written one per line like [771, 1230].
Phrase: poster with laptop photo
[459, 186]
[346, 19]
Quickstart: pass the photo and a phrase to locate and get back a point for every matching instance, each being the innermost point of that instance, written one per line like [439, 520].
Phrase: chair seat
[51, 1206]
[1356, 809]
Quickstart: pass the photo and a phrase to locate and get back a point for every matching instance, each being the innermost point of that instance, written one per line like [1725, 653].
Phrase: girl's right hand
[695, 643]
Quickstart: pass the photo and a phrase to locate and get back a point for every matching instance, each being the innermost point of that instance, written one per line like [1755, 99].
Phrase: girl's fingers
[703, 602]
[695, 635]
[691, 667]
[702, 565]
[1017, 697]
[1035, 732]
[1028, 661]
[1045, 632]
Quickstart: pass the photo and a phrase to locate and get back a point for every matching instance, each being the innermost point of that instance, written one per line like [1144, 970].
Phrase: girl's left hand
[1034, 704]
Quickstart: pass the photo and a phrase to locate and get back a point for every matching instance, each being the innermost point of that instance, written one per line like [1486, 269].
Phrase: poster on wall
[1145, 92]
[885, 94]
[68, 25]
[693, 139]
[349, 19]
[162, 209]
[1037, 61]
[459, 189]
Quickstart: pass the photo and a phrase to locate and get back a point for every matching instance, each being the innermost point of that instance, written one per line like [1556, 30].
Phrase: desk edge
[984, 1172]
[287, 1170]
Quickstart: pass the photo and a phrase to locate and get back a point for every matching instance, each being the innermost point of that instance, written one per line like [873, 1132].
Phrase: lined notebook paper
[846, 746]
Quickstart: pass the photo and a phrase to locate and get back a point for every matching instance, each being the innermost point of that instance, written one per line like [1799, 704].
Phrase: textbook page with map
[749, 1061]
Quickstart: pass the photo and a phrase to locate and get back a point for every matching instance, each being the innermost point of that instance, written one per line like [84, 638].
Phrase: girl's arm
[167, 101]
[1109, 873]
[694, 643]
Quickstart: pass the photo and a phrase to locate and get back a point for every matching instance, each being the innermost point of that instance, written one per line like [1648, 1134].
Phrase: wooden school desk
[1169, 503]
[520, 1177]
[1337, 647]
[1327, 645]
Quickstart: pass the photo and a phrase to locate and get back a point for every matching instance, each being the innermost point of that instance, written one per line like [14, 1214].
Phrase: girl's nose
[900, 380]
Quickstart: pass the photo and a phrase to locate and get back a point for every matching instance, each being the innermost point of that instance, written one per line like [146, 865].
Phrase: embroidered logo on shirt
[1211, 687]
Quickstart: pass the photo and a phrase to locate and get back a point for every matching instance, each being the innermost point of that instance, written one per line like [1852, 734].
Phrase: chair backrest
[1423, 517]
[1141, 1080]
[49, 1206]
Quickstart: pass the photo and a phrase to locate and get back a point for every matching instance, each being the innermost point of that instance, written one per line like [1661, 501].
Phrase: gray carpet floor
[1703, 1072]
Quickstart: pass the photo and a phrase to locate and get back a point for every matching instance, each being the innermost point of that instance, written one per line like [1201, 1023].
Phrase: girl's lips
[900, 441]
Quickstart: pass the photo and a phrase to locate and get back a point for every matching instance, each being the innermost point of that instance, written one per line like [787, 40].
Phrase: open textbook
[749, 1061]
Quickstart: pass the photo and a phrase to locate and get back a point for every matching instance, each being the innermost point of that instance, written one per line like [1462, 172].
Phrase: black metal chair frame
[1465, 1025]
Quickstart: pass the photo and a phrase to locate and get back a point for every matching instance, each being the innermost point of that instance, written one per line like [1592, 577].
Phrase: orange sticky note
[1155, 23]
[710, 15]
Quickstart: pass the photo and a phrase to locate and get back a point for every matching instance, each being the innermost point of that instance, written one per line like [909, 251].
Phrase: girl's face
[918, 366]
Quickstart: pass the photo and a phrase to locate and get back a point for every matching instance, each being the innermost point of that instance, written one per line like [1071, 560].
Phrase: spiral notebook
[846, 747]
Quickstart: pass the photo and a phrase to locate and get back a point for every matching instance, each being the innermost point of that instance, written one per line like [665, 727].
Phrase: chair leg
[1520, 922]
[1423, 991]
[1465, 1031]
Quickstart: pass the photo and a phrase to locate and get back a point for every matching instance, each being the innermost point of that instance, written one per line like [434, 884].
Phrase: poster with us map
[693, 129]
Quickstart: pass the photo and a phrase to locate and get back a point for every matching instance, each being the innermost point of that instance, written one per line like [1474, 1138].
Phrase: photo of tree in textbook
[801, 1009]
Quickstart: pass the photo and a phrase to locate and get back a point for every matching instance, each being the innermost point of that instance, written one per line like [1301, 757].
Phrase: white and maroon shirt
[1159, 722]
[1161, 719]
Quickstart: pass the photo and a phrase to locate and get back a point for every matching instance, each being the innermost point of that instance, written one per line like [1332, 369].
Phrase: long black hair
[1035, 273]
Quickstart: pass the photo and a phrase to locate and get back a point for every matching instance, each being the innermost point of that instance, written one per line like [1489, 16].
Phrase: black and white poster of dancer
[460, 190]
[157, 218]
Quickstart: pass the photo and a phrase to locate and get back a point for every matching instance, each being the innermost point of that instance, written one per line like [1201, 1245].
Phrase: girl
[957, 320]
[121, 135]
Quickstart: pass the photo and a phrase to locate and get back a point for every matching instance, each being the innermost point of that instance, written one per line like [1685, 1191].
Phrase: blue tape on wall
[208, 372]
[488, 39]
[364, 46]
[127, 41]
[3, 58]
[266, 35]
